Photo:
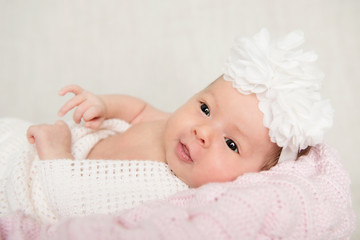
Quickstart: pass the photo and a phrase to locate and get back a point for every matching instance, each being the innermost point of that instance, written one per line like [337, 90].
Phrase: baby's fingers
[93, 113]
[93, 117]
[73, 102]
[71, 88]
[31, 139]
[95, 123]
[30, 134]
[80, 111]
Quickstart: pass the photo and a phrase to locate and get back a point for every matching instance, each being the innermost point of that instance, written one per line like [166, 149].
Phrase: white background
[166, 50]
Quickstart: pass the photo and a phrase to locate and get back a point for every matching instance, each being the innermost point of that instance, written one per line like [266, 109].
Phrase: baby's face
[217, 136]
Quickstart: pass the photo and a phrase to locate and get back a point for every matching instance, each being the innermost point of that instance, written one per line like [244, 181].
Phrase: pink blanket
[307, 199]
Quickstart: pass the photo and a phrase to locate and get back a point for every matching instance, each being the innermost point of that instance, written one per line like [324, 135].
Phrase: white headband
[286, 83]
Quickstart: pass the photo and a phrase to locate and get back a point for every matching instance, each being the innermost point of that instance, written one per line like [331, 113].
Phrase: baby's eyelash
[205, 109]
[232, 145]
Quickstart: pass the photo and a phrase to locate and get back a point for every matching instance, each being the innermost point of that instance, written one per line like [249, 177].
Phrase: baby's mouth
[183, 152]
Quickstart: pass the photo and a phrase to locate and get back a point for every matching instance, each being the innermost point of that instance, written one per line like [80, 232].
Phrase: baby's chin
[197, 183]
[185, 180]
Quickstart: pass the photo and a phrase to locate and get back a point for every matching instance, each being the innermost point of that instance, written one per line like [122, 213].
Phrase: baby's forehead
[222, 88]
[214, 87]
[230, 100]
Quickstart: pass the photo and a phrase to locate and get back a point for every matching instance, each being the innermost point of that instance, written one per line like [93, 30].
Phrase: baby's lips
[183, 152]
[186, 150]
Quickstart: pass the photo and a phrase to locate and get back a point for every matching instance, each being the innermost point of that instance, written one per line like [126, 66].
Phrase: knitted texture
[306, 199]
[52, 189]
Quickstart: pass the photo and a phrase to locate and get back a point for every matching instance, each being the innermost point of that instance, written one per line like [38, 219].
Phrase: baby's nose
[203, 134]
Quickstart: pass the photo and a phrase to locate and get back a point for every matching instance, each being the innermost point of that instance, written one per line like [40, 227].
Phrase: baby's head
[264, 109]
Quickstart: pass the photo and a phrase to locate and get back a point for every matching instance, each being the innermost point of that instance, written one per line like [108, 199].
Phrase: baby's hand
[89, 107]
[52, 141]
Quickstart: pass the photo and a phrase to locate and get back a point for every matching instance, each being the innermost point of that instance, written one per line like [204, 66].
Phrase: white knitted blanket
[305, 199]
[51, 189]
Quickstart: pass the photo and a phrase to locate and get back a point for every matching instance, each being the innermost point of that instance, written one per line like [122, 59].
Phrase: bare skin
[127, 144]
[216, 136]
[52, 140]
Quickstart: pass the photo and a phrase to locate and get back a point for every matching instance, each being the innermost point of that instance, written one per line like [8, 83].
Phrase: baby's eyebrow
[210, 96]
[238, 130]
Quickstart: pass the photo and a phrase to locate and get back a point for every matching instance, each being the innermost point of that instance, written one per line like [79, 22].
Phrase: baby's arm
[94, 109]
[52, 141]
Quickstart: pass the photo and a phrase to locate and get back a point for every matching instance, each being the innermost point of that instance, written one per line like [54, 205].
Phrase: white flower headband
[286, 83]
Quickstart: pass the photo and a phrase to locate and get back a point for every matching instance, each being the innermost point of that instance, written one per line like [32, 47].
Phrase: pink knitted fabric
[307, 199]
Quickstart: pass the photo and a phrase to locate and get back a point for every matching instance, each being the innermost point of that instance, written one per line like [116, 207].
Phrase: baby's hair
[273, 158]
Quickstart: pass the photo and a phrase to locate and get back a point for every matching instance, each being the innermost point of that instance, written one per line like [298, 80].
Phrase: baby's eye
[232, 145]
[205, 109]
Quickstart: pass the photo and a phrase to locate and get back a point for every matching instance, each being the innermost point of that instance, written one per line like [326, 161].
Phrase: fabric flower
[286, 83]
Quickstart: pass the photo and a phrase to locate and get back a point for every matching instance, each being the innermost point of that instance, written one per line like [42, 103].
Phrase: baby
[264, 109]
[204, 141]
